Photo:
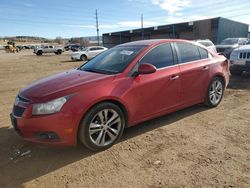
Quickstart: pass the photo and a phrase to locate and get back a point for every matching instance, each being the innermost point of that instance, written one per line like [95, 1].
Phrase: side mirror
[146, 68]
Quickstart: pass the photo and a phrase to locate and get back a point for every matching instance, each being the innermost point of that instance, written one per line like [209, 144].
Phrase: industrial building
[215, 29]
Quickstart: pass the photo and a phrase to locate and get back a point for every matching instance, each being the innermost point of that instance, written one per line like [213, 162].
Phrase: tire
[83, 58]
[215, 92]
[236, 73]
[59, 52]
[104, 134]
[39, 53]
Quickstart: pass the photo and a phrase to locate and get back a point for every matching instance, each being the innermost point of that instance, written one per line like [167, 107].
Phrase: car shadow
[240, 82]
[44, 159]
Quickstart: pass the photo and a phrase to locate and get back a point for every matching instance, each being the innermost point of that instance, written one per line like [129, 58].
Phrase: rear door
[92, 52]
[194, 72]
[160, 91]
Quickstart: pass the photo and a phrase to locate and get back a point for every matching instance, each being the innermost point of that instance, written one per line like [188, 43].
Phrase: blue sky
[52, 18]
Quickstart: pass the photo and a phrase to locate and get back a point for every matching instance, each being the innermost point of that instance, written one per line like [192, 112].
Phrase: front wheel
[102, 126]
[39, 53]
[215, 92]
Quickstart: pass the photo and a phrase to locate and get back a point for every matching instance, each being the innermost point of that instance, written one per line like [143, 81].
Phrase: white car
[240, 60]
[87, 53]
[208, 44]
[48, 49]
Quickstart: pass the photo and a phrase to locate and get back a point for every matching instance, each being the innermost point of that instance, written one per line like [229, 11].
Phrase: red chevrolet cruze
[121, 87]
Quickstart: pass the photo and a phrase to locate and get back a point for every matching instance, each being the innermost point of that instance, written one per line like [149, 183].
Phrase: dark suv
[229, 44]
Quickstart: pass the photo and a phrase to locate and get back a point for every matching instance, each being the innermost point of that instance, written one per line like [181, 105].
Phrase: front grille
[18, 111]
[220, 49]
[244, 55]
[23, 99]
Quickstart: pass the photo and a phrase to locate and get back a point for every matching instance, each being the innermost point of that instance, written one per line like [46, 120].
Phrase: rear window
[206, 43]
[188, 52]
[203, 53]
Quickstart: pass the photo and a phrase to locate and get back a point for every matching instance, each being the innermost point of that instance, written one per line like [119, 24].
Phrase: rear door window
[160, 56]
[203, 53]
[188, 52]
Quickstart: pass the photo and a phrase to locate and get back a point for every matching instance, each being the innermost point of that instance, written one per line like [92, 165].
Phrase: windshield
[229, 41]
[112, 61]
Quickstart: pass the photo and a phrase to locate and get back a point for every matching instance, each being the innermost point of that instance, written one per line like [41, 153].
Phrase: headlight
[49, 107]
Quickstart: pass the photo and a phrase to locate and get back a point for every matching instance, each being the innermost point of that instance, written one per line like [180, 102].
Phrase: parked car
[67, 47]
[208, 44]
[240, 60]
[87, 53]
[48, 49]
[119, 88]
[75, 48]
[229, 44]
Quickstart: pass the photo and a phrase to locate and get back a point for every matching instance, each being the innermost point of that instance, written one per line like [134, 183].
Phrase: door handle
[174, 77]
[205, 68]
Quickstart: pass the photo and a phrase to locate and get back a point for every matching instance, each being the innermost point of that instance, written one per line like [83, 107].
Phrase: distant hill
[27, 39]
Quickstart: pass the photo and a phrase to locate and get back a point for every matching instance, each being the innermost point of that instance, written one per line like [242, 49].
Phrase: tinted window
[161, 56]
[99, 48]
[203, 53]
[188, 52]
[229, 41]
[92, 49]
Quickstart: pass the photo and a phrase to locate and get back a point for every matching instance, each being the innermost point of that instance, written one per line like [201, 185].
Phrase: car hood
[243, 48]
[62, 84]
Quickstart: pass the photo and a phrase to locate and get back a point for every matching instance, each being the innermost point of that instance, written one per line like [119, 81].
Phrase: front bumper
[240, 66]
[54, 129]
[75, 58]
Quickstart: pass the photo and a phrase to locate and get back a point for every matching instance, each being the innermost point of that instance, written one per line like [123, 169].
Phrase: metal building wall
[229, 29]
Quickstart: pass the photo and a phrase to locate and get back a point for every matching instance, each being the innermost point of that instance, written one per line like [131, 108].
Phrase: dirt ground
[195, 147]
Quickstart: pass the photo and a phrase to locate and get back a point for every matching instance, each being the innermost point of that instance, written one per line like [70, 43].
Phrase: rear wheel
[215, 92]
[59, 52]
[39, 52]
[83, 58]
[102, 126]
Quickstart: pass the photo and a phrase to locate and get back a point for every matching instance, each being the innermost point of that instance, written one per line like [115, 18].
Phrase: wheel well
[119, 104]
[222, 78]
[84, 55]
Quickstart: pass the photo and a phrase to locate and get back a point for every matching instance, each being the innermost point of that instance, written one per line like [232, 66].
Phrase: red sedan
[121, 87]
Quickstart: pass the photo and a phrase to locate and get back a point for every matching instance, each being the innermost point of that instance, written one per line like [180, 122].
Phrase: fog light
[50, 136]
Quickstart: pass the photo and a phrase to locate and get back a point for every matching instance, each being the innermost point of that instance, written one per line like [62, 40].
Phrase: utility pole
[97, 26]
[142, 31]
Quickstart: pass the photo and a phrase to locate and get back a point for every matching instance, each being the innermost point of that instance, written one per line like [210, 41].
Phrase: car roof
[95, 46]
[152, 42]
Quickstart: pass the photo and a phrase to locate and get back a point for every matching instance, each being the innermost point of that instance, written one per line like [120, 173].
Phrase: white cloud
[123, 24]
[172, 6]
[175, 19]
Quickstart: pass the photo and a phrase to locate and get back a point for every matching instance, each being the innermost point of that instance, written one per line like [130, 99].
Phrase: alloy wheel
[216, 92]
[105, 127]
